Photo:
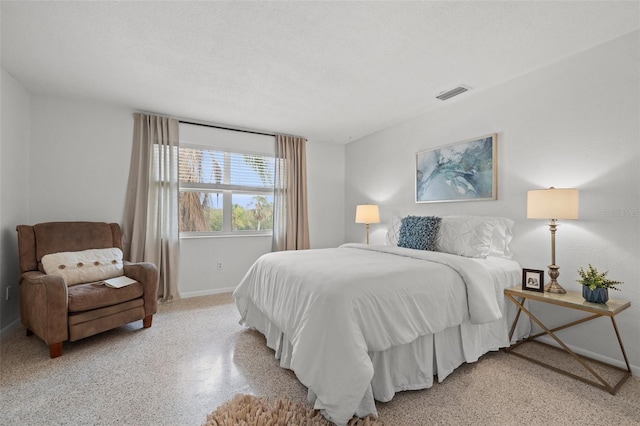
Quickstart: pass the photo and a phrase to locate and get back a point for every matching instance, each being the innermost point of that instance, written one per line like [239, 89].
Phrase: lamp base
[367, 233]
[554, 287]
[554, 273]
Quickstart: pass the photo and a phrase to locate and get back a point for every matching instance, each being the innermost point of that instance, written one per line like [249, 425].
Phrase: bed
[359, 323]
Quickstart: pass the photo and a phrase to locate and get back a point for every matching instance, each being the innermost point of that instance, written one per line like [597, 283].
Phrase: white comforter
[337, 305]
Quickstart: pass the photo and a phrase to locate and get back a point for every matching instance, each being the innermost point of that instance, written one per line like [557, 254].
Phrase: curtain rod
[226, 128]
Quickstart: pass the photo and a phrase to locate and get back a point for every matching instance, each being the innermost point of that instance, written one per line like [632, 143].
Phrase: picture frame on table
[461, 171]
[533, 280]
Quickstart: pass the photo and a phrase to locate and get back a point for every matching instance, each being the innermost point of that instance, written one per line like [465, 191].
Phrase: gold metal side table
[572, 300]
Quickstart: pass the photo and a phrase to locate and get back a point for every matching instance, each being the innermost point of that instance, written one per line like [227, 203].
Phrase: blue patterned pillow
[419, 232]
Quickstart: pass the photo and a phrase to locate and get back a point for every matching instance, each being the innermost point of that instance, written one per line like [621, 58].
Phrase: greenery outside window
[224, 192]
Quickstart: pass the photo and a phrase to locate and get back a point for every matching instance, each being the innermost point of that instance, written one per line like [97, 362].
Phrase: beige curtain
[290, 212]
[151, 210]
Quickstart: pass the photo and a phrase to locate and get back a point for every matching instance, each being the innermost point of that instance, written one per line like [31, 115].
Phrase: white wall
[79, 163]
[14, 203]
[572, 124]
[79, 168]
[325, 185]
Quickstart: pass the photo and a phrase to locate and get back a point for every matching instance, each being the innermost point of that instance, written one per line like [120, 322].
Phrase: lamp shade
[367, 213]
[553, 203]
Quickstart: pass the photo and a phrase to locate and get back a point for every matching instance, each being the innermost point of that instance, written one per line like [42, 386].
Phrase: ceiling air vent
[453, 92]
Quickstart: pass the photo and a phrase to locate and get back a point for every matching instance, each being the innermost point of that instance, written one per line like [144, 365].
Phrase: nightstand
[570, 300]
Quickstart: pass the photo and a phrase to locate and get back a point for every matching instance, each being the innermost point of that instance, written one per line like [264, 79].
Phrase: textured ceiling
[330, 71]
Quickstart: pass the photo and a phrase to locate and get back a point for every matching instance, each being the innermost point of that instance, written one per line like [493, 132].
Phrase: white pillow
[85, 266]
[393, 231]
[501, 238]
[475, 236]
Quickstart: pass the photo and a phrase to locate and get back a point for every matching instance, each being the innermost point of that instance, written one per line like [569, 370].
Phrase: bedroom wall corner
[199, 274]
[326, 187]
[14, 202]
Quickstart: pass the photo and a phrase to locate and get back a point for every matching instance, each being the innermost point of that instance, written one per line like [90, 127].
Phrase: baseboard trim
[635, 370]
[190, 294]
[13, 326]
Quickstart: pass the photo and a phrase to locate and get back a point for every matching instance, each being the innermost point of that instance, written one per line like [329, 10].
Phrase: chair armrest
[44, 306]
[146, 274]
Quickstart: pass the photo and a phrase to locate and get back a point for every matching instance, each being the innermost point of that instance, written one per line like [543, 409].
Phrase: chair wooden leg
[146, 322]
[29, 332]
[55, 350]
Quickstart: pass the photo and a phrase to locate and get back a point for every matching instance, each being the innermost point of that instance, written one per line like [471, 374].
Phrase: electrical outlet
[8, 295]
[219, 265]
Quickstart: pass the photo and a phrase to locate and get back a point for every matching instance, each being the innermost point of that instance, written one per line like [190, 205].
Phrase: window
[224, 191]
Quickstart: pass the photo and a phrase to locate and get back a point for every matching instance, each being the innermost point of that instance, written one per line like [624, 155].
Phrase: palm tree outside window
[225, 192]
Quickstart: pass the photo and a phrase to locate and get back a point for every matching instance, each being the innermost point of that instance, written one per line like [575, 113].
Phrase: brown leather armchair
[57, 312]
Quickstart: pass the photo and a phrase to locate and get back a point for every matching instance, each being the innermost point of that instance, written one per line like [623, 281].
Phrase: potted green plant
[596, 285]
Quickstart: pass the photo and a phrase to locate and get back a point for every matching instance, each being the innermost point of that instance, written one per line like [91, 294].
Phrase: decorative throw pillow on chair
[85, 266]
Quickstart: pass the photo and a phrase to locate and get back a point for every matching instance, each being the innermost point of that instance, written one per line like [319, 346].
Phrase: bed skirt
[414, 365]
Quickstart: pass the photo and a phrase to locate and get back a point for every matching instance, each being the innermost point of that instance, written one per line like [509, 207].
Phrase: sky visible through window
[242, 173]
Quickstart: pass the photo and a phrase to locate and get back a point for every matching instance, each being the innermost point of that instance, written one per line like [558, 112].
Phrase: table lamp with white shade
[367, 214]
[553, 204]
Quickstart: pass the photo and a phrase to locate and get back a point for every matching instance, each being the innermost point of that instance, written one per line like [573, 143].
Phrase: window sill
[195, 236]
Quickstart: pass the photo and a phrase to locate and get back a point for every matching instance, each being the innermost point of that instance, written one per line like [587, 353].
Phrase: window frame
[227, 190]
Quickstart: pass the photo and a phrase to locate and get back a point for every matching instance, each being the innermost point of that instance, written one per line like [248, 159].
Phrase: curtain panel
[290, 211]
[151, 232]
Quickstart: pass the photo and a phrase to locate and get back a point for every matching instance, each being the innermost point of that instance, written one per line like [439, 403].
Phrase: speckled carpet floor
[196, 357]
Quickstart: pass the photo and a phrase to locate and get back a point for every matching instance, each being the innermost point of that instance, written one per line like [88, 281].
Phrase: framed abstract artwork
[462, 171]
